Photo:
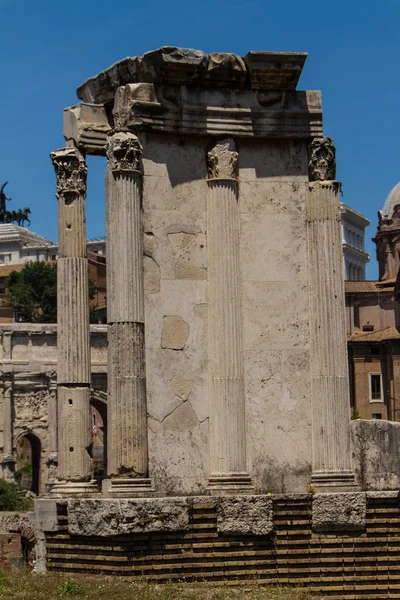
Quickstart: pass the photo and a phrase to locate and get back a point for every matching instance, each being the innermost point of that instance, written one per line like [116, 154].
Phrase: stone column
[228, 462]
[127, 407]
[73, 330]
[328, 344]
[52, 461]
[8, 460]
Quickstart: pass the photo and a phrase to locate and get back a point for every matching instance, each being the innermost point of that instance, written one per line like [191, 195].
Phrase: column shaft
[127, 413]
[73, 331]
[328, 351]
[8, 461]
[228, 460]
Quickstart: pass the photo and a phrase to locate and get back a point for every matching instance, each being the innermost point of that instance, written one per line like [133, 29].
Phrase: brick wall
[365, 565]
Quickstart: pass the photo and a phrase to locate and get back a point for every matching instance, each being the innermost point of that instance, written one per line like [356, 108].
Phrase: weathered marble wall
[175, 272]
[273, 188]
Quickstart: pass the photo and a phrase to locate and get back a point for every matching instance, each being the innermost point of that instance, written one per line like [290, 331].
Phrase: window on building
[368, 327]
[375, 387]
[377, 415]
[375, 350]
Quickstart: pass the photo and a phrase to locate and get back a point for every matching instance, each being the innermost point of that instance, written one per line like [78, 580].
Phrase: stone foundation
[275, 544]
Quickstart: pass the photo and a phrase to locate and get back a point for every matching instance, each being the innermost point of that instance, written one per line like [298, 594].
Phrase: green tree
[32, 292]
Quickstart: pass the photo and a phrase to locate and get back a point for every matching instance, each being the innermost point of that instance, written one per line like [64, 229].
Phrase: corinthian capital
[124, 152]
[222, 160]
[71, 171]
[322, 164]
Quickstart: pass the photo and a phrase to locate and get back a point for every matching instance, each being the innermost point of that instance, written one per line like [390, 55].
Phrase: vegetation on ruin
[32, 292]
[12, 498]
[24, 585]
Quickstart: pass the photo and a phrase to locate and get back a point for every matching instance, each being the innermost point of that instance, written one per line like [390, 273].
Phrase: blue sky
[48, 48]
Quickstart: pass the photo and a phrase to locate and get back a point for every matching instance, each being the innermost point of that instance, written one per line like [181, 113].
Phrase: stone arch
[33, 457]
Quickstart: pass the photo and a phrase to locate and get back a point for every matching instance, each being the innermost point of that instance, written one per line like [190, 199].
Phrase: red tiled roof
[390, 333]
[368, 287]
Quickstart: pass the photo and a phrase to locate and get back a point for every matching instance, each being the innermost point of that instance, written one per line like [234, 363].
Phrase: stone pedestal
[73, 334]
[226, 373]
[331, 467]
[126, 411]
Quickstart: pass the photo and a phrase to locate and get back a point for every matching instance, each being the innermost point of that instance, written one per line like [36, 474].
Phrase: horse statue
[20, 216]
[3, 200]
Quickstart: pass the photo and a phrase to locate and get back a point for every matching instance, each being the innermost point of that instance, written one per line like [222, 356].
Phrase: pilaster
[228, 461]
[73, 335]
[8, 460]
[328, 344]
[127, 414]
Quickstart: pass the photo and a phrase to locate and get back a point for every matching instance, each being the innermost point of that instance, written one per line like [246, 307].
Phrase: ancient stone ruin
[223, 341]
[227, 367]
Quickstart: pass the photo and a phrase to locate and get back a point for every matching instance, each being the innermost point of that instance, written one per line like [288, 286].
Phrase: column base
[65, 489]
[233, 483]
[342, 481]
[127, 487]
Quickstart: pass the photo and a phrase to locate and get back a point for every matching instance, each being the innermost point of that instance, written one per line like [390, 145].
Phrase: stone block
[105, 517]
[45, 515]
[275, 70]
[375, 449]
[245, 515]
[345, 511]
[175, 333]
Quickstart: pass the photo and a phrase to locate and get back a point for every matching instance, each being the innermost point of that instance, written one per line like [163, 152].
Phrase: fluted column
[126, 411]
[8, 460]
[73, 330]
[328, 344]
[228, 463]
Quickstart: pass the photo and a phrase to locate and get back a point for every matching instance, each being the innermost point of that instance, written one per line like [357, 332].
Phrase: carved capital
[322, 164]
[124, 152]
[71, 171]
[222, 160]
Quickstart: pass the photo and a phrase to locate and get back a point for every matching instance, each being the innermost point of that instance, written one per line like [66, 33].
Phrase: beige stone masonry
[225, 341]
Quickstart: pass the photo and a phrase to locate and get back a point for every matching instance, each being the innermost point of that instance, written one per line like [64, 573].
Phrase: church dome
[391, 201]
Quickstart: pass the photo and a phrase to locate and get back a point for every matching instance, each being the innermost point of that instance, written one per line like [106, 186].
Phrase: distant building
[19, 245]
[353, 242]
[373, 325]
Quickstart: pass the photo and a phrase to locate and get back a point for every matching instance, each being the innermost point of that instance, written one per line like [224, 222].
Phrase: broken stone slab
[245, 515]
[175, 333]
[185, 66]
[342, 511]
[275, 70]
[224, 69]
[178, 66]
[104, 517]
[87, 125]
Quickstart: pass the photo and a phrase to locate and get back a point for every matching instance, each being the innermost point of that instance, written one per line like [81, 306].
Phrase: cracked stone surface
[182, 387]
[117, 517]
[181, 241]
[186, 270]
[151, 276]
[175, 333]
[245, 514]
[339, 512]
